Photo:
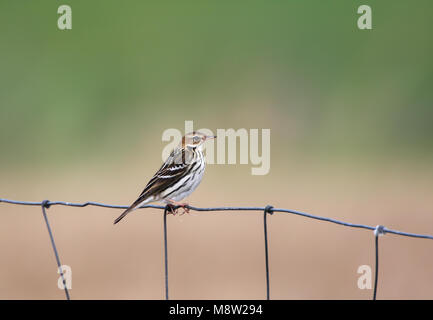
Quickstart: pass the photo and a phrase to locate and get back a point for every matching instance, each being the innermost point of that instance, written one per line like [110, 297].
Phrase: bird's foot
[182, 205]
[171, 209]
[185, 208]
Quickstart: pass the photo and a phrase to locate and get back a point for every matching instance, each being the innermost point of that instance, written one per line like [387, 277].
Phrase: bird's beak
[210, 137]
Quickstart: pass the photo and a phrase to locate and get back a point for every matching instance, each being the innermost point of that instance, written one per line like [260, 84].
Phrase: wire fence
[268, 210]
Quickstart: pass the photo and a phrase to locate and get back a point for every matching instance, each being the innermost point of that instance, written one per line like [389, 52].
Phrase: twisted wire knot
[46, 204]
[268, 209]
[380, 230]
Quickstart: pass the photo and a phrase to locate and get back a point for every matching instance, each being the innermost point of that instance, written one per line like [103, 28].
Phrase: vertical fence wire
[377, 232]
[267, 210]
[45, 204]
[376, 245]
[165, 250]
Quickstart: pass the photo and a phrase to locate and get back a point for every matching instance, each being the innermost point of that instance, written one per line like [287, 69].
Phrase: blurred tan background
[83, 112]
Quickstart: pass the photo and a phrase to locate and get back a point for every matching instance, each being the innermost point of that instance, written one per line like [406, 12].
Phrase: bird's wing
[174, 168]
[177, 166]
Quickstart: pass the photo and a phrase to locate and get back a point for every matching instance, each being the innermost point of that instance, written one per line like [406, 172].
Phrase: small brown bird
[178, 177]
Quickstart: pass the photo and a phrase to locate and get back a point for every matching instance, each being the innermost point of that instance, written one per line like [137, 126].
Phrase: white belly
[185, 186]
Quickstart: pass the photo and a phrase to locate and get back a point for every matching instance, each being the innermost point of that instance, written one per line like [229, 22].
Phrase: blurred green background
[301, 68]
[82, 113]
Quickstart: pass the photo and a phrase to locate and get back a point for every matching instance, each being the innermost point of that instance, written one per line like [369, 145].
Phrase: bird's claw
[174, 210]
[185, 209]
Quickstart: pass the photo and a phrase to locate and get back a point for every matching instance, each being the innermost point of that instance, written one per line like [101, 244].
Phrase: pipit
[178, 177]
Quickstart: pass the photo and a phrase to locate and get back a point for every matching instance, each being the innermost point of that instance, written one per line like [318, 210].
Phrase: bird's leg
[183, 205]
[173, 211]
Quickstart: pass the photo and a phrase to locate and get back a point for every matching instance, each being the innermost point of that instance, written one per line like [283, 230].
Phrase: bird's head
[195, 139]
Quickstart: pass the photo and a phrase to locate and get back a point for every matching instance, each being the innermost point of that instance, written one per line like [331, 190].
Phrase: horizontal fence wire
[378, 230]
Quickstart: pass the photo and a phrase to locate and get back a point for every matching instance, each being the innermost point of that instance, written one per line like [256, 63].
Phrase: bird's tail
[133, 206]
